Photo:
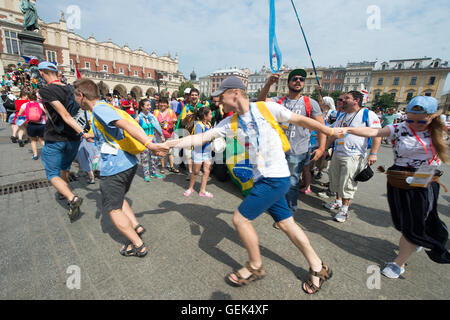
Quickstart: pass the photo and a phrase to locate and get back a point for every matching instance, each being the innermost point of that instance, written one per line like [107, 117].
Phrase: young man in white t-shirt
[350, 153]
[271, 178]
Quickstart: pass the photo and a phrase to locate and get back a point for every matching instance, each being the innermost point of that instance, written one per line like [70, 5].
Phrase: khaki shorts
[342, 171]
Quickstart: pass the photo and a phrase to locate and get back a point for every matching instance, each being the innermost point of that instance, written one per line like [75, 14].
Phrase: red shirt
[19, 104]
[128, 106]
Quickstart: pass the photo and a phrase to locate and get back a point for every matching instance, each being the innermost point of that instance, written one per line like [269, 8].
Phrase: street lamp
[159, 75]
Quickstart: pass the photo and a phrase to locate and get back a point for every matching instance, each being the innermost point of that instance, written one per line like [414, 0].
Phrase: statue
[30, 21]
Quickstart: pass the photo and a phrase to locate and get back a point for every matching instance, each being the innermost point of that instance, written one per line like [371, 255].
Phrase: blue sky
[216, 34]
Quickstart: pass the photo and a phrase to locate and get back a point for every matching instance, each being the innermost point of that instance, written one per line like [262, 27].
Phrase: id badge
[422, 176]
[109, 149]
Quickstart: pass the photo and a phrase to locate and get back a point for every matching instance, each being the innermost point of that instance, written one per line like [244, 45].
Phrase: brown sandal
[256, 274]
[324, 274]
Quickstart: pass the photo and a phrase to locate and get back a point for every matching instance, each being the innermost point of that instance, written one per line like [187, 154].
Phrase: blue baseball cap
[422, 105]
[45, 65]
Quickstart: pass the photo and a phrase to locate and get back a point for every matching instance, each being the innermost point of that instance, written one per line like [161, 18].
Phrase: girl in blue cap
[418, 147]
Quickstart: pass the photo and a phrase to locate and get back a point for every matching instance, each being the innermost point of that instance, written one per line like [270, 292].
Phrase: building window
[337, 87]
[346, 89]
[380, 81]
[51, 56]
[357, 80]
[393, 94]
[327, 86]
[409, 96]
[348, 80]
[366, 80]
[413, 81]
[105, 68]
[431, 81]
[436, 64]
[135, 73]
[417, 65]
[428, 93]
[87, 65]
[400, 65]
[12, 42]
[149, 75]
[396, 81]
[383, 67]
[121, 70]
[328, 76]
[377, 94]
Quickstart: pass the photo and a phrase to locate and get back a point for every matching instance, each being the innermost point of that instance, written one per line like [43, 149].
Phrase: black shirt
[56, 129]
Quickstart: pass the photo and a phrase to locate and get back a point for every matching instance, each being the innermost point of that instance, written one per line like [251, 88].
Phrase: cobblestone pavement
[193, 245]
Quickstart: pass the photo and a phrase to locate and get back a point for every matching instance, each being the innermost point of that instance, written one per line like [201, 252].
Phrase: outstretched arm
[195, 140]
[368, 132]
[305, 122]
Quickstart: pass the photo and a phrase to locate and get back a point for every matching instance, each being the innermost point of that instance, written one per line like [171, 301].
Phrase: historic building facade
[407, 78]
[115, 69]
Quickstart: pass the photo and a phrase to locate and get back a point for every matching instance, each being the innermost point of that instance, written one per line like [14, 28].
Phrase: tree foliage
[183, 86]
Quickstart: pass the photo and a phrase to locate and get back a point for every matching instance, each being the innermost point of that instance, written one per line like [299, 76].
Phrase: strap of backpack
[282, 100]
[307, 105]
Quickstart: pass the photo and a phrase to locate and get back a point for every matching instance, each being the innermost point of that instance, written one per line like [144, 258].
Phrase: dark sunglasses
[341, 100]
[418, 121]
[295, 79]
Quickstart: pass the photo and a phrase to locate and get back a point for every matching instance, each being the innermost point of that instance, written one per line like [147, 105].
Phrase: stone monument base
[32, 44]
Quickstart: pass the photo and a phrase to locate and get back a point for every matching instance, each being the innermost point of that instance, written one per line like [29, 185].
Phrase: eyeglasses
[295, 79]
[417, 121]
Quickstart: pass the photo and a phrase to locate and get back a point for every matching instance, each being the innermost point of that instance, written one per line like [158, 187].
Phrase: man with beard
[298, 156]
[350, 153]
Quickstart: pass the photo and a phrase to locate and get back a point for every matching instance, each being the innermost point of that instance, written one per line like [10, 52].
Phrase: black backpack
[9, 104]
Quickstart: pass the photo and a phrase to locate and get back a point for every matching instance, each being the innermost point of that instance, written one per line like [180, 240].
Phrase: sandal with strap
[256, 274]
[134, 251]
[324, 274]
[174, 170]
[140, 233]
[74, 207]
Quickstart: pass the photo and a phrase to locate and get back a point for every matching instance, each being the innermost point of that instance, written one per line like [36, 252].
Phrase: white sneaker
[333, 205]
[392, 270]
[323, 195]
[341, 216]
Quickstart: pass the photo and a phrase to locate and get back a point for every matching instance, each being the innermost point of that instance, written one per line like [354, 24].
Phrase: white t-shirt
[271, 162]
[352, 145]
[408, 151]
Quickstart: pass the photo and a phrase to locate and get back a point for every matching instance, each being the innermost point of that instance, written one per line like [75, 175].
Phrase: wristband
[372, 154]
[321, 149]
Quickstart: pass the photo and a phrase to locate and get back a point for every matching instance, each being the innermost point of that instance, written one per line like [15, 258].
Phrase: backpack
[34, 111]
[307, 107]
[238, 162]
[9, 104]
[128, 143]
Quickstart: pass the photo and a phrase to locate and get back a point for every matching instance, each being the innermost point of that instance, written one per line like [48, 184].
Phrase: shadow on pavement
[214, 231]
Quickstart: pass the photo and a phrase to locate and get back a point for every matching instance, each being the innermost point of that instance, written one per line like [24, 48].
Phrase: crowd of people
[288, 140]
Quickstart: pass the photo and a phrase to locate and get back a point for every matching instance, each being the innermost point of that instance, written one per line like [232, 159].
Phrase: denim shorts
[267, 194]
[200, 157]
[58, 156]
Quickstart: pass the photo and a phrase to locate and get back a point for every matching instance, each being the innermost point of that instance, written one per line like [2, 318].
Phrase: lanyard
[423, 144]
[251, 138]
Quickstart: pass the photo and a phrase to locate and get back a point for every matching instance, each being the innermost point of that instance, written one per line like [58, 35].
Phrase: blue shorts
[58, 156]
[267, 194]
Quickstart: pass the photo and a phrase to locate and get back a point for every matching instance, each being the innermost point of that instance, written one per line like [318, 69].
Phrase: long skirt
[414, 213]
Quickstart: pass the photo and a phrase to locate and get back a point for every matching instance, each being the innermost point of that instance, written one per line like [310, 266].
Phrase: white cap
[187, 91]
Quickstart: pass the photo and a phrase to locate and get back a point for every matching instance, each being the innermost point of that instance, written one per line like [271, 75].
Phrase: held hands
[338, 132]
[160, 149]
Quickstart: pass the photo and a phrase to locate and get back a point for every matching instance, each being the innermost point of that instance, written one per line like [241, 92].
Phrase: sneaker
[341, 216]
[14, 139]
[157, 176]
[35, 157]
[332, 205]
[392, 270]
[21, 143]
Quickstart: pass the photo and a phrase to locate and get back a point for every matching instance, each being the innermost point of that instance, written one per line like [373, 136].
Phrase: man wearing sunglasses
[298, 156]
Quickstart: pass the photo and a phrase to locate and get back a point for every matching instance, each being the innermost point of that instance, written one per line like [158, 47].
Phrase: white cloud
[213, 34]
